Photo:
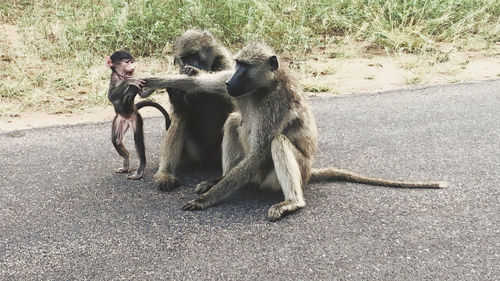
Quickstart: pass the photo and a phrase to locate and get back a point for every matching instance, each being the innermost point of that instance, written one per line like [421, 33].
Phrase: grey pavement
[64, 215]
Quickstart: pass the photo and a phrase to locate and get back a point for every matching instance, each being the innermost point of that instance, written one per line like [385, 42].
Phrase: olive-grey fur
[271, 140]
[200, 107]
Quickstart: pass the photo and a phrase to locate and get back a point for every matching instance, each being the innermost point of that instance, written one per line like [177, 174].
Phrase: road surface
[65, 215]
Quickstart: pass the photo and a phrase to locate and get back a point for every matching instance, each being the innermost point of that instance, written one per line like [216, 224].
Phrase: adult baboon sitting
[195, 134]
[271, 140]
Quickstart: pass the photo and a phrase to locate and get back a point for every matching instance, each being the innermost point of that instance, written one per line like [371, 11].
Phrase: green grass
[316, 88]
[144, 27]
[61, 38]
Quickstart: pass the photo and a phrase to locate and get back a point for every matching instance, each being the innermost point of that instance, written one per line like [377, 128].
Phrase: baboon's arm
[125, 90]
[234, 180]
[240, 175]
[208, 82]
[144, 93]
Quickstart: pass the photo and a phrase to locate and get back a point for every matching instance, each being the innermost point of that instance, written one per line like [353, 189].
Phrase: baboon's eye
[195, 60]
[190, 57]
[242, 64]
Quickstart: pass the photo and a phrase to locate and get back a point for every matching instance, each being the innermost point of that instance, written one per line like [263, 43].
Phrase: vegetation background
[51, 52]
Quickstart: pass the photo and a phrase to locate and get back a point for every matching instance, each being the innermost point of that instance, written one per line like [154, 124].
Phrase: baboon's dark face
[240, 83]
[201, 59]
[249, 77]
[193, 60]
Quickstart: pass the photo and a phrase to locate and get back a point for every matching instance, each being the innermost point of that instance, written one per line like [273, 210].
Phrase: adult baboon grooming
[200, 49]
[197, 120]
[272, 139]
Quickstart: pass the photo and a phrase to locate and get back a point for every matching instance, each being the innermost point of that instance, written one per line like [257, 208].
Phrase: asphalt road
[65, 215]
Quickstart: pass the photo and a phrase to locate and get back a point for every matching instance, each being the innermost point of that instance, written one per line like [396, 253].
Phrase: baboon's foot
[280, 210]
[135, 176]
[166, 182]
[122, 170]
[169, 185]
[275, 213]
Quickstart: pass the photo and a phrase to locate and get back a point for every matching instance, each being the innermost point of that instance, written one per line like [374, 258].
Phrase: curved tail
[156, 105]
[335, 174]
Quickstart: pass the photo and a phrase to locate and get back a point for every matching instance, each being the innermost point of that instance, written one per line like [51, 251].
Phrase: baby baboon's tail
[156, 105]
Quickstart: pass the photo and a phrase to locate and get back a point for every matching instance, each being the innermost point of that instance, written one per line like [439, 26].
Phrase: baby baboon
[198, 118]
[272, 139]
[122, 91]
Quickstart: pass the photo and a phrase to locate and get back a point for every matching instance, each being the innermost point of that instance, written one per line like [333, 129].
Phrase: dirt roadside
[322, 76]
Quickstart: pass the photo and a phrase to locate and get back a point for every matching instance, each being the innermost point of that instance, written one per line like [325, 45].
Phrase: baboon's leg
[171, 150]
[232, 151]
[192, 149]
[118, 129]
[271, 182]
[139, 147]
[288, 172]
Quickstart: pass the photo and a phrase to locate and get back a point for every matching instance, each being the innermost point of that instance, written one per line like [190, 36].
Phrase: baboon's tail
[335, 174]
[156, 105]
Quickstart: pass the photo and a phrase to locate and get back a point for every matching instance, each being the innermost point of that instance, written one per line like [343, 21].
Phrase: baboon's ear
[207, 33]
[273, 62]
[108, 62]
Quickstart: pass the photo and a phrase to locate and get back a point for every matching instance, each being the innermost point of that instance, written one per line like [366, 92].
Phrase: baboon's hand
[193, 205]
[204, 187]
[137, 82]
[190, 70]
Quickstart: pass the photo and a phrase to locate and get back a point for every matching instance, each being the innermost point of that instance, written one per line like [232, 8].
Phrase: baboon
[200, 49]
[197, 118]
[123, 88]
[271, 140]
